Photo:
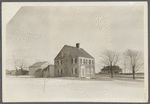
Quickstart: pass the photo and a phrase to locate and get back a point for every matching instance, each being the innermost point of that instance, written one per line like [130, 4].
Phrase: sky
[38, 33]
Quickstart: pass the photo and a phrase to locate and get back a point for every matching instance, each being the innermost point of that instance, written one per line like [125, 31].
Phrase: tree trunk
[133, 72]
[111, 71]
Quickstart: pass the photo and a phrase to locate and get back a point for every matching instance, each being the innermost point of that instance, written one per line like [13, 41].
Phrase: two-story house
[74, 62]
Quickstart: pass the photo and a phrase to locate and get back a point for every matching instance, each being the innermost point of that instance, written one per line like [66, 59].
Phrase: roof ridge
[42, 61]
[71, 46]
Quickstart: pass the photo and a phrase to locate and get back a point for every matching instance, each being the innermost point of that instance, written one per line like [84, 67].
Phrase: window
[62, 54]
[58, 62]
[68, 53]
[89, 61]
[72, 61]
[92, 61]
[75, 60]
[84, 61]
[74, 71]
[81, 61]
[60, 71]
[61, 62]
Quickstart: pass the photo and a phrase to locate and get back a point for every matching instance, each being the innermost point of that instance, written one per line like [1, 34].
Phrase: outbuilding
[42, 69]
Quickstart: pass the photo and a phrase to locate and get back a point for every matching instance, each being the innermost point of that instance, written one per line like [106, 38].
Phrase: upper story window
[89, 61]
[68, 53]
[84, 61]
[81, 61]
[75, 60]
[62, 54]
[92, 61]
[58, 62]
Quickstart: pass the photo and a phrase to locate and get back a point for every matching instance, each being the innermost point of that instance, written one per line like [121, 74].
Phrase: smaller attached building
[42, 68]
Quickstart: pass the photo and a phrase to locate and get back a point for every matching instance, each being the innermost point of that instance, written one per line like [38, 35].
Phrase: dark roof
[75, 52]
[38, 64]
[114, 67]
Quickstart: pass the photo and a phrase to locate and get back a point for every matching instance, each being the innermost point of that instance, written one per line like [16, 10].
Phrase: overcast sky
[39, 33]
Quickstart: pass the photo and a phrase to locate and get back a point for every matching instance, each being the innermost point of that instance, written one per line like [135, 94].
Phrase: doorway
[82, 71]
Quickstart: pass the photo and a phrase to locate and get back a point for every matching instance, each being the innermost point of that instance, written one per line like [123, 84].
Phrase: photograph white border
[6, 16]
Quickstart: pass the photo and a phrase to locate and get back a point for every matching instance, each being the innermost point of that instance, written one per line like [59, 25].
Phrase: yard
[103, 88]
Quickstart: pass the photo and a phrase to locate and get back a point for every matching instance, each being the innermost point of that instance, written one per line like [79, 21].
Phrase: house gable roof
[73, 52]
[38, 64]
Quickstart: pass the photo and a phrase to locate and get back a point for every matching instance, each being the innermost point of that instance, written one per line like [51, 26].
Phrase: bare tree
[19, 64]
[110, 58]
[15, 65]
[135, 61]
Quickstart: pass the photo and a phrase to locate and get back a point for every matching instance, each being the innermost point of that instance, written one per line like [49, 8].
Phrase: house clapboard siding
[74, 62]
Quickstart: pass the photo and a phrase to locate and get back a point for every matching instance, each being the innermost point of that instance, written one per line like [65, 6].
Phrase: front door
[82, 71]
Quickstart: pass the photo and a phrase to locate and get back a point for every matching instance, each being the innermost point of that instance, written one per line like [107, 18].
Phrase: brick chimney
[78, 45]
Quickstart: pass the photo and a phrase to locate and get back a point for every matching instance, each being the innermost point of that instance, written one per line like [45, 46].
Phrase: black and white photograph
[74, 52]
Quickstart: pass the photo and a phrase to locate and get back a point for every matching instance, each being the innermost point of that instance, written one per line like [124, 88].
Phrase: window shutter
[60, 71]
[59, 62]
[73, 60]
[72, 71]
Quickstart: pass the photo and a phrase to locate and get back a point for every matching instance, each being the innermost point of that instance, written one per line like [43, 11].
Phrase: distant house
[74, 62]
[42, 69]
[115, 69]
